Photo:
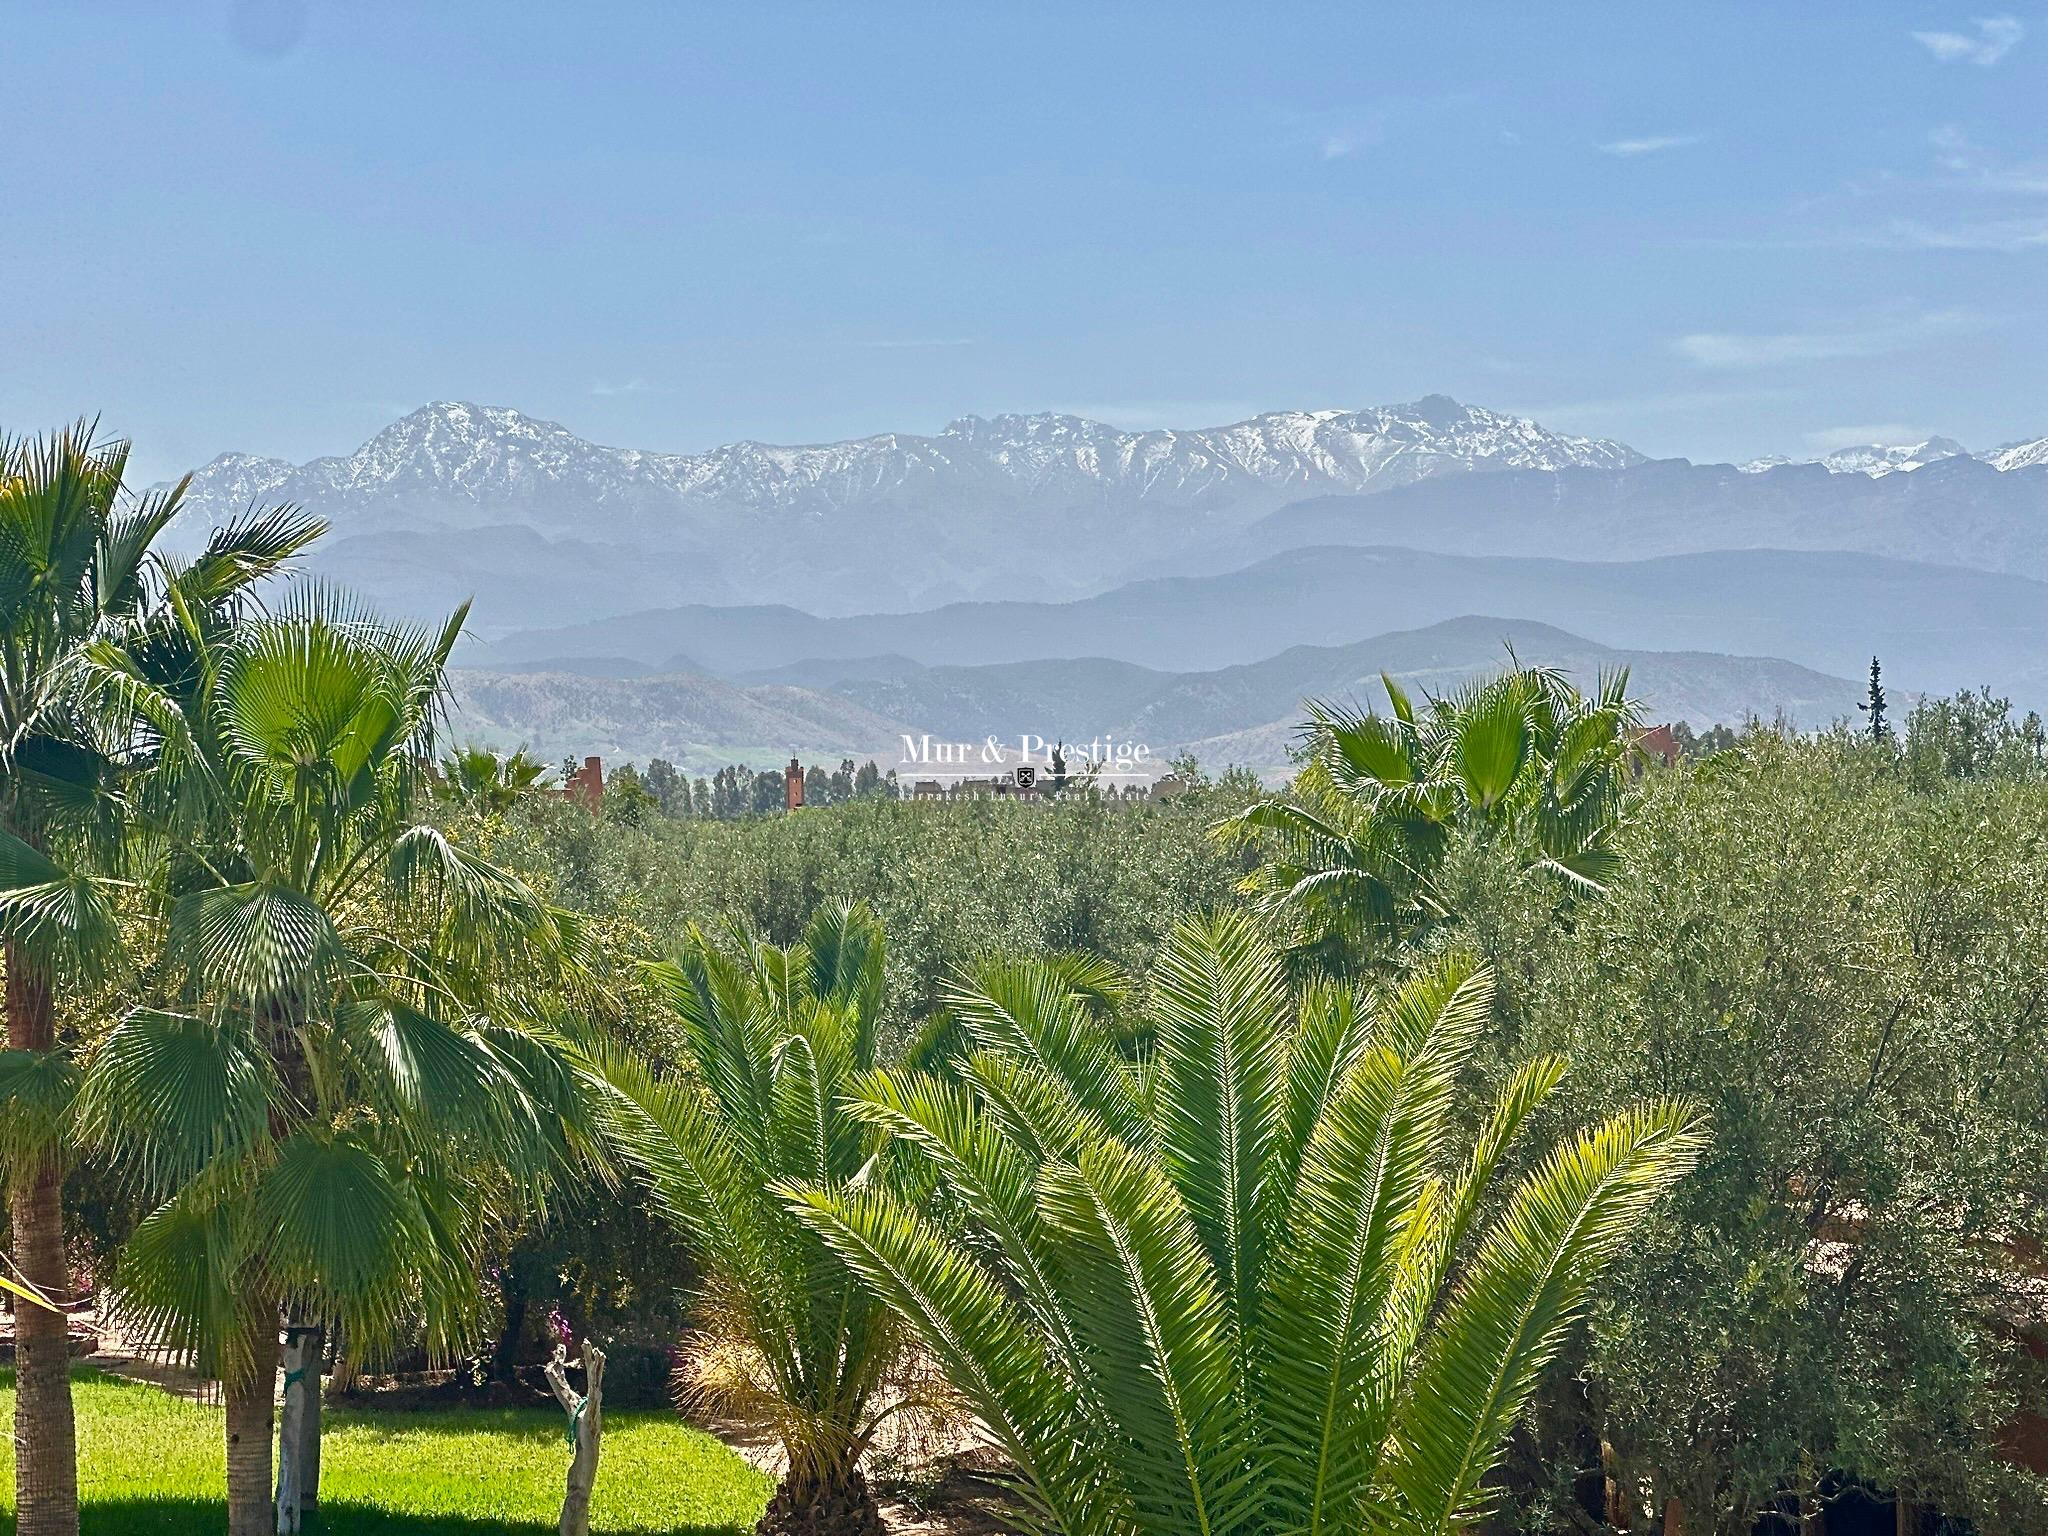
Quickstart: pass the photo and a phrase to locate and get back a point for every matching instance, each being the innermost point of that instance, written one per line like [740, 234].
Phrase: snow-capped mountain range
[1895, 458]
[488, 455]
[1038, 506]
[543, 526]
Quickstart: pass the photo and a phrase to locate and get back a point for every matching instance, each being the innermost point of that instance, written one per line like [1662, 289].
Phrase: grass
[151, 1464]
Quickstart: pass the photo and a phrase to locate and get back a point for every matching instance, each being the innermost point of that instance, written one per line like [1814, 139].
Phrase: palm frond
[38, 1095]
[1220, 1004]
[1028, 1010]
[992, 1357]
[171, 1094]
[1160, 1340]
[253, 941]
[1510, 1312]
[62, 919]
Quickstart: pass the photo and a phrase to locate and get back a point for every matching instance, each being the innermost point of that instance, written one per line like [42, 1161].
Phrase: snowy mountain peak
[455, 444]
[1882, 459]
[1873, 458]
[2024, 455]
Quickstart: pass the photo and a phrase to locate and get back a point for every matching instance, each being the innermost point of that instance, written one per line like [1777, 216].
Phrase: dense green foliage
[97, 630]
[951, 883]
[152, 1466]
[1852, 974]
[634, 794]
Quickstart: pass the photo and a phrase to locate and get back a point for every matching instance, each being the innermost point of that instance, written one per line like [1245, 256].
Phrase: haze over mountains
[1017, 506]
[894, 578]
[1243, 714]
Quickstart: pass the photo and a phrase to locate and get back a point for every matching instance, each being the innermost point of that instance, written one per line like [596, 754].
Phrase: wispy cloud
[2007, 235]
[1996, 36]
[606, 389]
[1977, 169]
[1730, 350]
[1650, 144]
[1969, 200]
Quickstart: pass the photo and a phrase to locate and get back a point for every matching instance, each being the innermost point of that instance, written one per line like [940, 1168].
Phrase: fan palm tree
[91, 615]
[776, 1038]
[478, 779]
[347, 1064]
[1524, 761]
[1246, 1288]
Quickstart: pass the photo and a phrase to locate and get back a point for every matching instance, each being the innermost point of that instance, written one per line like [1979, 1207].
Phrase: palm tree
[1245, 1288]
[348, 1066]
[1524, 762]
[478, 779]
[90, 619]
[776, 1037]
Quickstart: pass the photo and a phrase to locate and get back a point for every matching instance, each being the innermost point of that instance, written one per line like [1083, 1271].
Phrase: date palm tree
[1356, 851]
[91, 620]
[349, 1063]
[775, 1037]
[1260, 1284]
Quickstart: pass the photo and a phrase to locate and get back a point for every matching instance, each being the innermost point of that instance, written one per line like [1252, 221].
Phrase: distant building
[587, 783]
[1657, 742]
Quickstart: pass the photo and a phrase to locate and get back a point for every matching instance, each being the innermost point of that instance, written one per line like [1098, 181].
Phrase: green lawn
[153, 1463]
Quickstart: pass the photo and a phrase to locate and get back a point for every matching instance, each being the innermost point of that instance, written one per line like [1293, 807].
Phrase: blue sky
[1715, 230]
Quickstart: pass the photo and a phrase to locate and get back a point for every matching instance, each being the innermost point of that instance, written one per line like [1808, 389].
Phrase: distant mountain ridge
[1179, 709]
[1880, 459]
[685, 718]
[545, 527]
[1938, 627]
[1034, 506]
[1874, 459]
[1246, 714]
[1954, 511]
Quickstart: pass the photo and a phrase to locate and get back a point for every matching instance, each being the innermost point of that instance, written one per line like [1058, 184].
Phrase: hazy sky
[1714, 230]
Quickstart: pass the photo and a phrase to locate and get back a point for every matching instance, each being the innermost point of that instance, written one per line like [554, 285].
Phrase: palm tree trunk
[822, 1502]
[251, 1402]
[45, 1439]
